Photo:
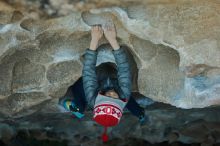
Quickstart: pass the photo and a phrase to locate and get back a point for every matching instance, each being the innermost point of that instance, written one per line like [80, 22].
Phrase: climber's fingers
[112, 27]
[100, 28]
[96, 27]
[105, 27]
[109, 26]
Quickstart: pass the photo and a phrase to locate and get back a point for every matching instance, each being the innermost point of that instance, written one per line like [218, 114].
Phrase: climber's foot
[144, 120]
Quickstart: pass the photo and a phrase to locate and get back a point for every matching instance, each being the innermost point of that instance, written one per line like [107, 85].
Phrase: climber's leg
[79, 95]
[74, 99]
[136, 110]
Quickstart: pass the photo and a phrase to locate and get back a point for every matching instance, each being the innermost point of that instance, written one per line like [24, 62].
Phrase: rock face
[167, 125]
[174, 48]
[175, 45]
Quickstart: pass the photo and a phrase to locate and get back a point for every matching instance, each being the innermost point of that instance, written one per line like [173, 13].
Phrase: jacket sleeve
[90, 83]
[124, 74]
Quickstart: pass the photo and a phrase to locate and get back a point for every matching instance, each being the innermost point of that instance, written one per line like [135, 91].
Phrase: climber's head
[111, 93]
[107, 112]
[107, 79]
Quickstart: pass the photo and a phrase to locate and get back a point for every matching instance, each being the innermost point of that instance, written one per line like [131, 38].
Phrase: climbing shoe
[67, 104]
[144, 120]
[71, 106]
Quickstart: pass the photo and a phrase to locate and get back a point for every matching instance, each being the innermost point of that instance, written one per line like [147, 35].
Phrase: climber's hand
[110, 35]
[96, 33]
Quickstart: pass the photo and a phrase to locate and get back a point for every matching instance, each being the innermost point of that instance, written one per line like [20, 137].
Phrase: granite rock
[175, 46]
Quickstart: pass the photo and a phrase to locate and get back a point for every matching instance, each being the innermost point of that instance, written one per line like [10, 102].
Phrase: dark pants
[77, 95]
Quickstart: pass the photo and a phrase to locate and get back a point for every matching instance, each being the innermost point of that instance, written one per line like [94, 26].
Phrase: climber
[107, 87]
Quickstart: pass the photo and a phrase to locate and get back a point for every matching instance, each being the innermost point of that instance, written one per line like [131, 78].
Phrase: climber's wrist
[94, 44]
[114, 44]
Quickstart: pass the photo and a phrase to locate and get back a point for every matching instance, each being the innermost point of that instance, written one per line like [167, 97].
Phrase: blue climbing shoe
[144, 120]
[71, 106]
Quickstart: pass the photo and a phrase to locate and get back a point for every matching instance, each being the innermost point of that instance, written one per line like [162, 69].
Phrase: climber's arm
[124, 74]
[90, 83]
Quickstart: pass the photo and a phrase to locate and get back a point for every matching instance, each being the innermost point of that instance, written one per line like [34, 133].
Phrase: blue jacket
[90, 80]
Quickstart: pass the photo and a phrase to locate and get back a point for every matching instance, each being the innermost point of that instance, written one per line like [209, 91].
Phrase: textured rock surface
[167, 124]
[175, 44]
